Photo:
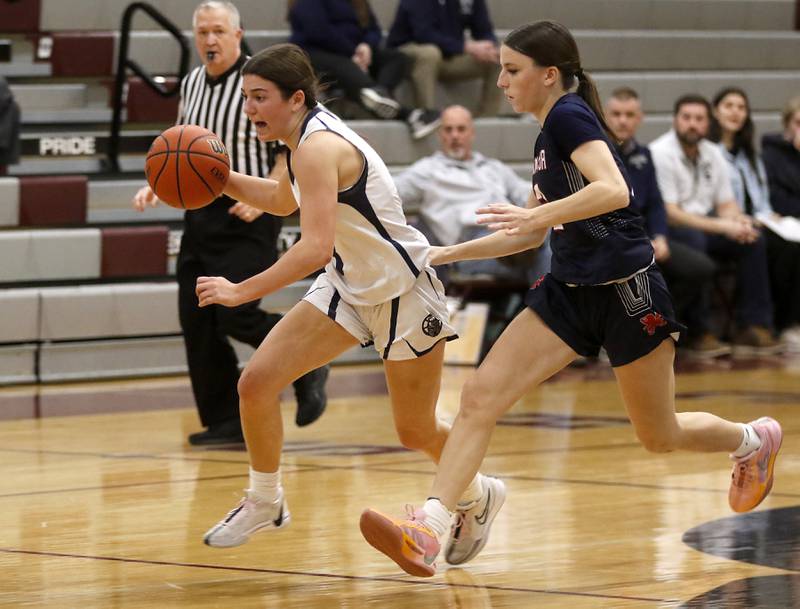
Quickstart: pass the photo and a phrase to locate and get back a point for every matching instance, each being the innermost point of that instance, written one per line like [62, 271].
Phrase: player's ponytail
[549, 43]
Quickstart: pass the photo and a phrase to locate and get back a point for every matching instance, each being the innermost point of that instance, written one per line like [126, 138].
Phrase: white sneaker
[381, 105]
[470, 530]
[791, 339]
[245, 519]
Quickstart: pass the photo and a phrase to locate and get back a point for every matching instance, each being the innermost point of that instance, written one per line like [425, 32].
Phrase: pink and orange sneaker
[409, 543]
[751, 479]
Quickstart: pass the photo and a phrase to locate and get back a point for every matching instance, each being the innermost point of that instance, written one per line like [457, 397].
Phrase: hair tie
[579, 74]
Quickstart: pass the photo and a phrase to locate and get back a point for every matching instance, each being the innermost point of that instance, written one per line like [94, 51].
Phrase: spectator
[694, 180]
[225, 238]
[432, 34]
[687, 270]
[344, 41]
[9, 127]
[451, 184]
[781, 152]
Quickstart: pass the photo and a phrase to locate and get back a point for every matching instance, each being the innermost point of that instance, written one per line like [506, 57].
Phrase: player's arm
[605, 192]
[495, 245]
[316, 170]
[266, 194]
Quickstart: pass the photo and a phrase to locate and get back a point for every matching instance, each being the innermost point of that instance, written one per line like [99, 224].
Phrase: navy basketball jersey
[596, 250]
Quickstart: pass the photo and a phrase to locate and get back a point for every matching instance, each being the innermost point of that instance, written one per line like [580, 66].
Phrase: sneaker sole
[770, 477]
[500, 500]
[748, 351]
[382, 534]
[267, 525]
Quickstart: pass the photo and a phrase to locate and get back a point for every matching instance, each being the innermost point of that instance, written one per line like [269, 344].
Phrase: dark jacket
[782, 161]
[441, 22]
[646, 195]
[331, 25]
[9, 126]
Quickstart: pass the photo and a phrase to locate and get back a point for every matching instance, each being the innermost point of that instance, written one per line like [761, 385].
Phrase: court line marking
[417, 582]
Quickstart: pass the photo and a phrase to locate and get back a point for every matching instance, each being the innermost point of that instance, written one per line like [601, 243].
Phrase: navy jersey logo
[540, 162]
[431, 326]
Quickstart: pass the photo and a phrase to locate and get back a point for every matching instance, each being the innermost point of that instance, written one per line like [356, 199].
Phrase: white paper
[787, 227]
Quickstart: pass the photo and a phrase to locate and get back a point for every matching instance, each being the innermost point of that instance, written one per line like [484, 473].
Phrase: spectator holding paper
[732, 128]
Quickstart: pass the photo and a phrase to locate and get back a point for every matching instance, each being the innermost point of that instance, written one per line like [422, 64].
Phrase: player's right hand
[144, 198]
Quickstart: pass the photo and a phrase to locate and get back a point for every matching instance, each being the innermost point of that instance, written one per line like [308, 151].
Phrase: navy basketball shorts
[629, 319]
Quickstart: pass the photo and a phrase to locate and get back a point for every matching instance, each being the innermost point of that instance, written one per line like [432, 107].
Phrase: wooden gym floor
[108, 510]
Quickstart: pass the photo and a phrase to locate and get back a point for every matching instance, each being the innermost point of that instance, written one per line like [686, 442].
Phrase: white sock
[264, 486]
[750, 441]
[437, 517]
[473, 493]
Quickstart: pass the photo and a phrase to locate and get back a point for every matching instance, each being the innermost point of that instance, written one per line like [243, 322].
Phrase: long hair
[742, 139]
[549, 43]
[288, 66]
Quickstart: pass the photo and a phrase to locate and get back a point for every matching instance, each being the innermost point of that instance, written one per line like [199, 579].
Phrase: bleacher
[87, 283]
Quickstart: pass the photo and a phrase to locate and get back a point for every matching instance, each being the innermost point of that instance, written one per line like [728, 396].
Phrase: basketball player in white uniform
[377, 288]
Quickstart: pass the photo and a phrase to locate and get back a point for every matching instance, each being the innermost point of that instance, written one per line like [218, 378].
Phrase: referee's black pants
[213, 365]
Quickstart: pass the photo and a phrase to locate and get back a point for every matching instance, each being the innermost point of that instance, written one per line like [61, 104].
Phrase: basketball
[187, 166]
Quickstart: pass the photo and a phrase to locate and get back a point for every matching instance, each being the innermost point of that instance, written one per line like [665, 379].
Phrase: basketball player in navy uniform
[377, 288]
[603, 291]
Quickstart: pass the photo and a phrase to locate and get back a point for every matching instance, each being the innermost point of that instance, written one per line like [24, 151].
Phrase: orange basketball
[187, 166]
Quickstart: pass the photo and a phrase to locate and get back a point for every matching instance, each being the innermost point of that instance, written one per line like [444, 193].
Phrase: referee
[226, 238]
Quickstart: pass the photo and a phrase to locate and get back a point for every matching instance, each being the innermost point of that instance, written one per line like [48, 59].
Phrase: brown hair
[288, 66]
[549, 43]
[790, 109]
[742, 139]
[624, 94]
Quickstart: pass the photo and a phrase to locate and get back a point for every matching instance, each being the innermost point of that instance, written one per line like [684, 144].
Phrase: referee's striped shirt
[216, 104]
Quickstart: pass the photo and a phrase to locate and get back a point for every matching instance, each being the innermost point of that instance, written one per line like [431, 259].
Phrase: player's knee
[253, 385]
[475, 403]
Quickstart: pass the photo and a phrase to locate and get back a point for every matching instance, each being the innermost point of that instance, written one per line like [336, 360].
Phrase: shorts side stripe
[392, 326]
[333, 305]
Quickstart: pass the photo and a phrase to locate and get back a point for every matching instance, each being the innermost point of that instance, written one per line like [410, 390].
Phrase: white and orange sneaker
[751, 479]
[409, 543]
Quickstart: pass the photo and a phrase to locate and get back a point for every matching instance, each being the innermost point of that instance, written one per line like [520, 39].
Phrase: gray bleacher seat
[19, 315]
[42, 255]
[9, 202]
[110, 201]
[106, 311]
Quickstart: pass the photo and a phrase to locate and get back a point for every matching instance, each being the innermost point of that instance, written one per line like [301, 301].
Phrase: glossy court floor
[108, 510]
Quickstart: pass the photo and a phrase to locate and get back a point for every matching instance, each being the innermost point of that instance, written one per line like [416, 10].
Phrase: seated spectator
[449, 185]
[432, 34]
[694, 181]
[344, 41]
[687, 271]
[781, 153]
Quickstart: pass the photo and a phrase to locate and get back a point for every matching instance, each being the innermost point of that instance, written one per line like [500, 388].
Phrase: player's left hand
[509, 218]
[217, 290]
[244, 212]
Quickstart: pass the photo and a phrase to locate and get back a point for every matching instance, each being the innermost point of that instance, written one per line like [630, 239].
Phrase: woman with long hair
[377, 288]
[732, 127]
[604, 290]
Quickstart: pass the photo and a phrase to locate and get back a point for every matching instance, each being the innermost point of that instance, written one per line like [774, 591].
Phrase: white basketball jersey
[377, 256]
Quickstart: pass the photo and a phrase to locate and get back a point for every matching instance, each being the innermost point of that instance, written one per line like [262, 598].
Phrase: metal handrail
[124, 62]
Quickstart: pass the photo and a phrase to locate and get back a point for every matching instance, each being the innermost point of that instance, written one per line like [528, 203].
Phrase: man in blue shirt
[431, 32]
[686, 270]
